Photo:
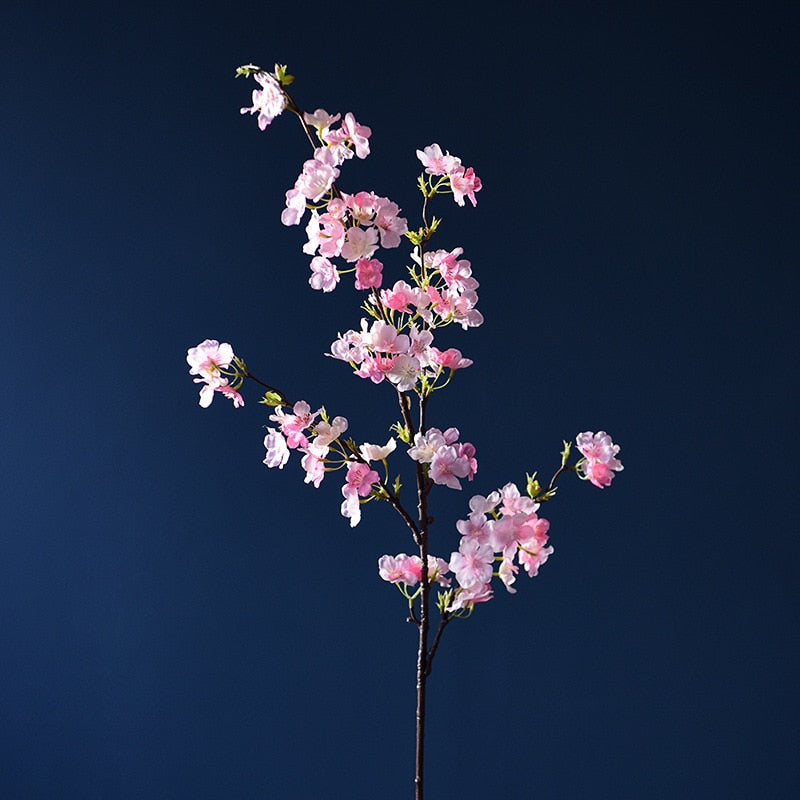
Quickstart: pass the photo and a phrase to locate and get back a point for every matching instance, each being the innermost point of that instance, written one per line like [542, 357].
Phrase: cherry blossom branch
[398, 347]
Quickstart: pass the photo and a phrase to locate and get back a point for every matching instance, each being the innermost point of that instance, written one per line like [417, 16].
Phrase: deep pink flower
[450, 359]
[368, 273]
[360, 478]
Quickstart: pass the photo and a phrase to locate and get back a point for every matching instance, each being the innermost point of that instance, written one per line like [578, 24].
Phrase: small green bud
[533, 486]
[403, 433]
[282, 76]
[247, 70]
[272, 399]
[565, 453]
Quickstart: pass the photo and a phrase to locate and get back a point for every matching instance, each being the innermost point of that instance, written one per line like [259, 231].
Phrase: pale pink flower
[484, 505]
[314, 466]
[321, 120]
[316, 179]
[515, 503]
[437, 570]
[404, 372]
[295, 207]
[472, 564]
[399, 569]
[391, 226]
[448, 465]
[208, 358]
[324, 275]
[268, 102]
[330, 236]
[351, 506]
[312, 233]
[368, 273]
[327, 432]
[374, 452]
[359, 243]
[384, 338]
[351, 131]
[508, 573]
[420, 345]
[435, 162]
[277, 450]
[426, 445]
[467, 597]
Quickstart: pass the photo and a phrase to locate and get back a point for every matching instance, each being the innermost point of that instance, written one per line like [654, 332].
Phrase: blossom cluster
[379, 352]
[302, 431]
[448, 459]
[463, 182]
[268, 101]
[349, 226]
[499, 529]
[319, 440]
[599, 460]
[210, 361]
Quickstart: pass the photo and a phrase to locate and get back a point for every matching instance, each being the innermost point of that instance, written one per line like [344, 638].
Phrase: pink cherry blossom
[208, 358]
[321, 120]
[368, 273]
[328, 432]
[375, 367]
[391, 226]
[295, 207]
[467, 597]
[450, 359]
[359, 243]
[600, 461]
[399, 569]
[351, 131]
[316, 179]
[360, 478]
[448, 465]
[314, 466]
[324, 275]
[465, 183]
[435, 162]
[472, 564]
[268, 102]
[404, 372]
[400, 297]
[374, 452]
[277, 450]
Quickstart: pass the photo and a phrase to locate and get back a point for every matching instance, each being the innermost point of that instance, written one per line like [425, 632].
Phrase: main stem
[423, 666]
[422, 655]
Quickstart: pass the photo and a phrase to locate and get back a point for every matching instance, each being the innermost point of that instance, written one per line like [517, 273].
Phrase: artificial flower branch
[397, 347]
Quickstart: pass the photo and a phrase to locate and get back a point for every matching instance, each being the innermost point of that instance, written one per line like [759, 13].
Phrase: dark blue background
[178, 622]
